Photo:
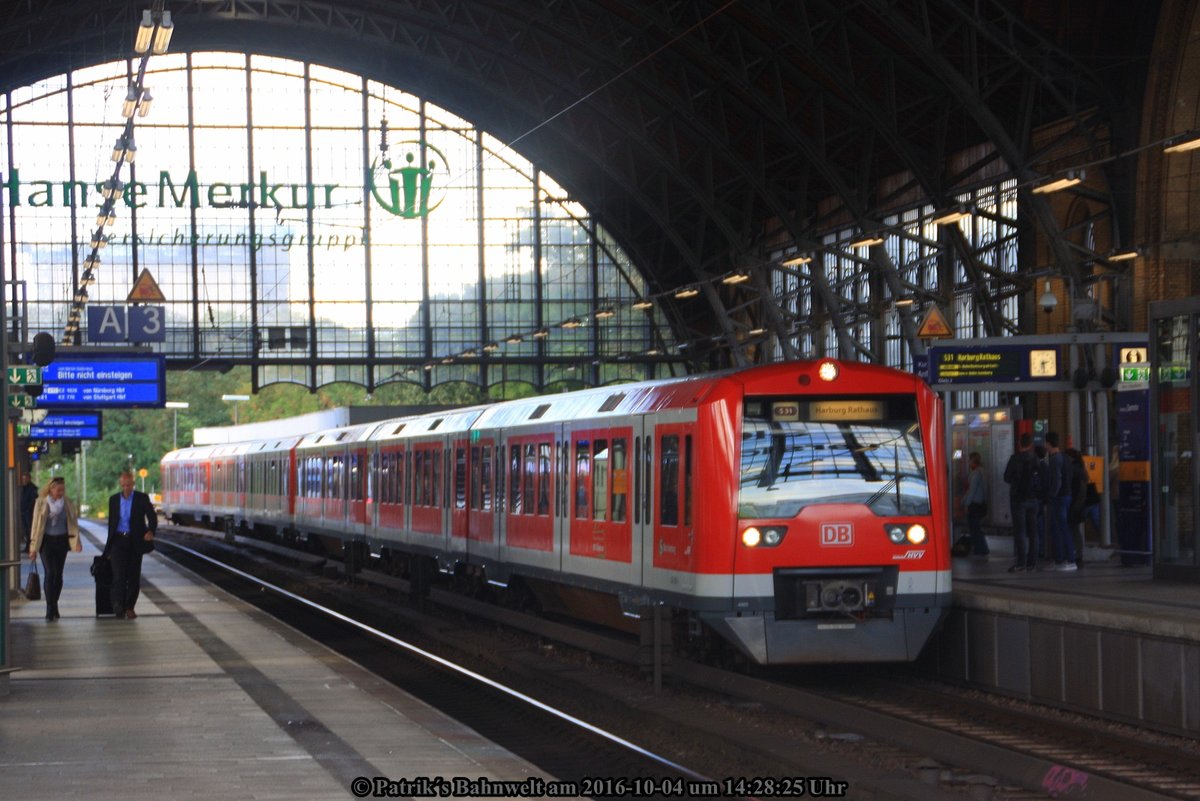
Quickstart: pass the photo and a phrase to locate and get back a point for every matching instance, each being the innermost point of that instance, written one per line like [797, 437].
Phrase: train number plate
[837, 535]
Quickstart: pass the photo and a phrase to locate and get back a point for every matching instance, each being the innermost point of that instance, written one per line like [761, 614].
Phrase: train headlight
[763, 536]
[898, 533]
[828, 371]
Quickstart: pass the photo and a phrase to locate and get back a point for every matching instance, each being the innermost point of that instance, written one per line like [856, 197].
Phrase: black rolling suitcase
[102, 572]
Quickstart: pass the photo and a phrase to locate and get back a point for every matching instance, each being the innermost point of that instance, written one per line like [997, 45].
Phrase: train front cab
[841, 549]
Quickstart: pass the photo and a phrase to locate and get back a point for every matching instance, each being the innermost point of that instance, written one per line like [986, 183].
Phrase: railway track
[865, 725]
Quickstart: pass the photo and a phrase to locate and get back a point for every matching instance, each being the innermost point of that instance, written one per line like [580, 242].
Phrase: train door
[480, 499]
[459, 517]
[356, 488]
[600, 539]
[672, 467]
[390, 489]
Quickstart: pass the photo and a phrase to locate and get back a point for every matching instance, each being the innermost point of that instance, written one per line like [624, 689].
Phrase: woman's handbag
[33, 585]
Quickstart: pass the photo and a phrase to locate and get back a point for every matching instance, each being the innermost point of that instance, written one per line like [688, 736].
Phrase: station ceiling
[696, 132]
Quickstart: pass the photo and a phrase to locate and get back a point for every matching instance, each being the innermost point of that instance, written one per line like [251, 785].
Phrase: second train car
[795, 510]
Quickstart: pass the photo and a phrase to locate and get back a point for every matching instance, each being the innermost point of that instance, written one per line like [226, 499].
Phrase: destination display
[999, 363]
[127, 382]
[84, 425]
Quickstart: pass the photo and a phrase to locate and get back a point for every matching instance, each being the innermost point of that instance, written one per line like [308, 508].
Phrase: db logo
[837, 535]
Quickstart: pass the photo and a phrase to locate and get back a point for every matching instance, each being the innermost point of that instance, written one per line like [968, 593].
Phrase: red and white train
[796, 510]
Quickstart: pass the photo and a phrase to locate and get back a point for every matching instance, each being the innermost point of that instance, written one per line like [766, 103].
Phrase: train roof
[612, 401]
[444, 422]
[336, 436]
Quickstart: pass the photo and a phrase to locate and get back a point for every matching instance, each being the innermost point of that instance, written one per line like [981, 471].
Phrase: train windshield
[802, 451]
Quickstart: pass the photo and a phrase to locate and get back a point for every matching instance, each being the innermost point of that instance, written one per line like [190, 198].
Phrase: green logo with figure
[405, 190]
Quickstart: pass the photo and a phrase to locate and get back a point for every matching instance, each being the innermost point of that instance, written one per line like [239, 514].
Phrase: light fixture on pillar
[111, 188]
[736, 278]
[1128, 254]
[643, 304]
[99, 240]
[144, 105]
[131, 102]
[141, 42]
[106, 216]
[162, 36]
[687, 292]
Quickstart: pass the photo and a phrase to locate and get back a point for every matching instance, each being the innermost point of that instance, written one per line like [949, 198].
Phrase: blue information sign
[115, 383]
[67, 425]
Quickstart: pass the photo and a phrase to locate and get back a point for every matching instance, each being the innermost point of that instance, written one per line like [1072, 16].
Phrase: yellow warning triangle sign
[934, 326]
[145, 290]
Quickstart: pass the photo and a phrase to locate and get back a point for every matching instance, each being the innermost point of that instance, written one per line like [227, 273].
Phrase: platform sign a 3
[127, 324]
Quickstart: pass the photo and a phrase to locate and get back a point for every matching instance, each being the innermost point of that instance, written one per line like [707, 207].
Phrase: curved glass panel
[317, 225]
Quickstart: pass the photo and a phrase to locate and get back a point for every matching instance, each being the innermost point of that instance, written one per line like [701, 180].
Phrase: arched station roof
[704, 135]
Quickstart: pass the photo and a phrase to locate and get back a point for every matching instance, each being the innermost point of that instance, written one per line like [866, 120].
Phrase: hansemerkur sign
[171, 192]
[406, 188]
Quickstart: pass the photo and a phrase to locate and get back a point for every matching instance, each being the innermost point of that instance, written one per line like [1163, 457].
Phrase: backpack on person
[1037, 479]
[1028, 476]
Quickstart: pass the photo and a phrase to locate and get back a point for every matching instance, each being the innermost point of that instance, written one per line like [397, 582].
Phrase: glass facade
[924, 264]
[318, 225]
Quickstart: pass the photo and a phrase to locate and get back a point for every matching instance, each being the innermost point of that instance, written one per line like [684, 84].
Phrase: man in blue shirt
[132, 523]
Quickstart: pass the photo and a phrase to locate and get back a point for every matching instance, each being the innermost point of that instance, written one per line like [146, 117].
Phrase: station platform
[203, 696]
[1106, 639]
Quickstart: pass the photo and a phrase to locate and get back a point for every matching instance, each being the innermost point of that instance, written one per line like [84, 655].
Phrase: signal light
[43, 349]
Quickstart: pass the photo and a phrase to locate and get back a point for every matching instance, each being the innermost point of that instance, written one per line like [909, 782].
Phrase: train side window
[562, 480]
[356, 477]
[377, 476]
[441, 477]
[500, 485]
[600, 459]
[514, 480]
[530, 473]
[687, 480]
[544, 478]
[583, 469]
[397, 482]
[485, 478]
[420, 480]
[476, 479]
[668, 470]
[460, 478]
[620, 479]
[637, 479]
[647, 476]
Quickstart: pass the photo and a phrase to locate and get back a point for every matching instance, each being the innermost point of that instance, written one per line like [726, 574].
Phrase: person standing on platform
[29, 497]
[1058, 505]
[54, 531]
[1021, 474]
[132, 523]
[975, 501]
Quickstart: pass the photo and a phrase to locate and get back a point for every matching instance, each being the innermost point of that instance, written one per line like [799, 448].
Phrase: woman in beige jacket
[55, 530]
